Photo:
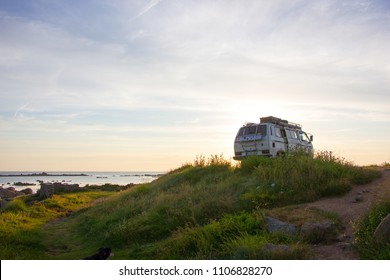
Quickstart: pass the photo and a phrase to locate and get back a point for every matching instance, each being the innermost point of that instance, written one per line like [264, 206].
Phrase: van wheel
[280, 154]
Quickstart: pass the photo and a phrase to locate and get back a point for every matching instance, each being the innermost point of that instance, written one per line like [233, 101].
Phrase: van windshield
[304, 137]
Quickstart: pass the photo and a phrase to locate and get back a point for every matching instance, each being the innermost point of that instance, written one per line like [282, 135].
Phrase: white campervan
[271, 137]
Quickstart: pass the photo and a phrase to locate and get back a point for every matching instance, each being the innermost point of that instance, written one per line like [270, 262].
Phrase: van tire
[280, 154]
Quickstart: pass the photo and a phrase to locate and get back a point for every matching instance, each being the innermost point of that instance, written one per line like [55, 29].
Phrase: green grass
[299, 178]
[208, 209]
[22, 219]
[191, 205]
[239, 236]
[366, 245]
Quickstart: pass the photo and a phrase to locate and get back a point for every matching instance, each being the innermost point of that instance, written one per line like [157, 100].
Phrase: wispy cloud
[148, 7]
[18, 111]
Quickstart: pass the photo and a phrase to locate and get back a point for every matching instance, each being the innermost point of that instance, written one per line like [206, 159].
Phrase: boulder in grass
[382, 232]
[273, 225]
[9, 193]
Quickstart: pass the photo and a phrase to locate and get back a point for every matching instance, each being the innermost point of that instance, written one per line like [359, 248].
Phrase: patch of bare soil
[351, 208]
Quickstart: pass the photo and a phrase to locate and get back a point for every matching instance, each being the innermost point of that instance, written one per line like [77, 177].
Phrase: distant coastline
[33, 179]
[145, 175]
[42, 174]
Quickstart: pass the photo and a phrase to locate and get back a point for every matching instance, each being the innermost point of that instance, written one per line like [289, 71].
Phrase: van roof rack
[279, 121]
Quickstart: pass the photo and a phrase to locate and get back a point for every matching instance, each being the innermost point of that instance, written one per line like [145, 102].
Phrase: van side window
[293, 134]
[278, 133]
[262, 130]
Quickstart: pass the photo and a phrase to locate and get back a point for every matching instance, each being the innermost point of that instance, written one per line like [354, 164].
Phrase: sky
[115, 85]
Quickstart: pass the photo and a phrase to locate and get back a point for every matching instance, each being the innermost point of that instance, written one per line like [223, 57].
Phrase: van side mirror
[311, 138]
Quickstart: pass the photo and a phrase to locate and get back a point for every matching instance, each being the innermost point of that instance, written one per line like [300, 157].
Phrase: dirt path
[350, 208]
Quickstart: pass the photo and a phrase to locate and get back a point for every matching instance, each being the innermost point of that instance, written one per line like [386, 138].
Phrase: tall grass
[206, 209]
[299, 178]
[239, 236]
[188, 205]
[210, 240]
[22, 218]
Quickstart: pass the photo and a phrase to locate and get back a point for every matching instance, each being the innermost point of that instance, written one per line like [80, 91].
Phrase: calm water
[92, 178]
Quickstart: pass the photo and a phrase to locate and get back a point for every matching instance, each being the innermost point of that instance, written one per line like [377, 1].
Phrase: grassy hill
[208, 209]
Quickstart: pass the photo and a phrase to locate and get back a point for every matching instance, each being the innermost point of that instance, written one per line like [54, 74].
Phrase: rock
[21, 184]
[345, 246]
[48, 189]
[274, 225]
[342, 238]
[9, 193]
[27, 191]
[318, 232]
[273, 248]
[358, 198]
[382, 232]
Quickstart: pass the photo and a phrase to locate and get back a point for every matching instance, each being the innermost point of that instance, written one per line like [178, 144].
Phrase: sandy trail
[351, 208]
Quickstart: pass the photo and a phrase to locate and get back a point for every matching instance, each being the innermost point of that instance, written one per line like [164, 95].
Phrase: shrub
[16, 205]
[201, 161]
[249, 164]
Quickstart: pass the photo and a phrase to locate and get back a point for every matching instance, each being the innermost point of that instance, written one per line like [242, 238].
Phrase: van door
[280, 142]
[293, 140]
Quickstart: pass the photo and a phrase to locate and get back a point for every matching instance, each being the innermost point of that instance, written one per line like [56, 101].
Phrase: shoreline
[32, 179]
[20, 180]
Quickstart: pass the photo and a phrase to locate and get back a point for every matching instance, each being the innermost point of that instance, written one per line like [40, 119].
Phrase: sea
[23, 180]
